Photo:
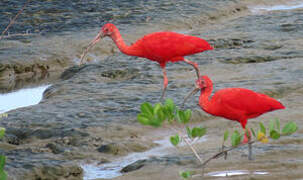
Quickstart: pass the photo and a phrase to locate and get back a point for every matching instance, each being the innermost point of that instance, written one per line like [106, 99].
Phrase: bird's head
[203, 82]
[106, 30]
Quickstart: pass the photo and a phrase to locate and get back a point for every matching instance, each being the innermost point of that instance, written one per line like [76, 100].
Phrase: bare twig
[224, 152]
[193, 150]
[14, 19]
[189, 145]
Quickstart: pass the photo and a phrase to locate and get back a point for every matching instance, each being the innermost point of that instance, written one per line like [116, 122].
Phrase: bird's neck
[124, 48]
[205, 99]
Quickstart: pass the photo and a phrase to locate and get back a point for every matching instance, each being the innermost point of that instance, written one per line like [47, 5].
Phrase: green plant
[178, 120]
[3, 174]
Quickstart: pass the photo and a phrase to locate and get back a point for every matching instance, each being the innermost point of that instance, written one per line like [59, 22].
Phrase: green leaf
[147, 108]
[187, 115]
[2, 132]
[198, 132]
[156, 122]
[183, 116]
[169, 104]
[274, 134]
[157, 108]
[253, 132]
[271, 125]
[180, 116]
[289, 128]
[235, 138]
[278, 124]
[143, 119]
[186, 174]
[189, 132]
[226, 134]
[160, 115]
[2, 162]
[3, 175]
[169, 109]
[175, 140]
[262, 128]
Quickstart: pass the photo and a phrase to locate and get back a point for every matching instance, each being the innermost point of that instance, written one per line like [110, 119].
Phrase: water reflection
[278, 7]
[235, 173]
[21, 98]
[112, 169]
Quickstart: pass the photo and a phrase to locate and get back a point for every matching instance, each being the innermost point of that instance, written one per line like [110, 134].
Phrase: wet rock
[57, 172]
[70, 72]
[166, 161]
[12, 139]
[49, 133]
[18, 134]
[289, 27]
[120, 73]
[15, 72]
[111, 148]
[230, 43]
[252, 59]
[55, 148]
[134, 166]
[32, 165]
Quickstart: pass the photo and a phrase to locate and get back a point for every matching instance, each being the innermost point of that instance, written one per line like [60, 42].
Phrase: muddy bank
[19, 74]
[77, 121]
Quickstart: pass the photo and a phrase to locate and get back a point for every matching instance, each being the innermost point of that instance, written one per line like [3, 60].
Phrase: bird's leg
[165, 82]
[195, 65]
[247, 139]
[250, 151]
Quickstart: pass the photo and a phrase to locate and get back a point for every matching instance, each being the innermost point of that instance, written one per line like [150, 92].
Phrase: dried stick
[14, 19]
[193, 150]
[223, 152]
[189, 145]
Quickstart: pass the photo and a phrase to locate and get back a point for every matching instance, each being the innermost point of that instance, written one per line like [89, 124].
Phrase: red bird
[161, 47]
[237, 104]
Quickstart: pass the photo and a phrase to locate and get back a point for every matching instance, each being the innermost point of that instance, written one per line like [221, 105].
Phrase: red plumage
[236, 104]
[161, 47]
[166, 47]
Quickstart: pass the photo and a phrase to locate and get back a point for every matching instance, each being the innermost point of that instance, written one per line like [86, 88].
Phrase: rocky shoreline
[89, 114]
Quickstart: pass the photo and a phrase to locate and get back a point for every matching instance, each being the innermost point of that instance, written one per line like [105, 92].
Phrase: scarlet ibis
[161, 47]
[237, 104]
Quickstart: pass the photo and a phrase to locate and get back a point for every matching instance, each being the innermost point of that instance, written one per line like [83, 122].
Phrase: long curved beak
[190, 94]
[91, 44]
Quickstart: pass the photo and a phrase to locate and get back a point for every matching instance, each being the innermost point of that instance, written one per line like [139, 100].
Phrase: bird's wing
[248, 101]
[167, 45]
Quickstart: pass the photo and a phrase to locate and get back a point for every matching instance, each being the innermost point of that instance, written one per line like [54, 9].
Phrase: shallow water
[21, 98]
[235, 173]
[289, 6]
[112, 169]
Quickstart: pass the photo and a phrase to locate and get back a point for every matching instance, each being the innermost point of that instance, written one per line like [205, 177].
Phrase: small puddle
[235, 173]
[112, 169]
[277, 7]
[21, 98]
